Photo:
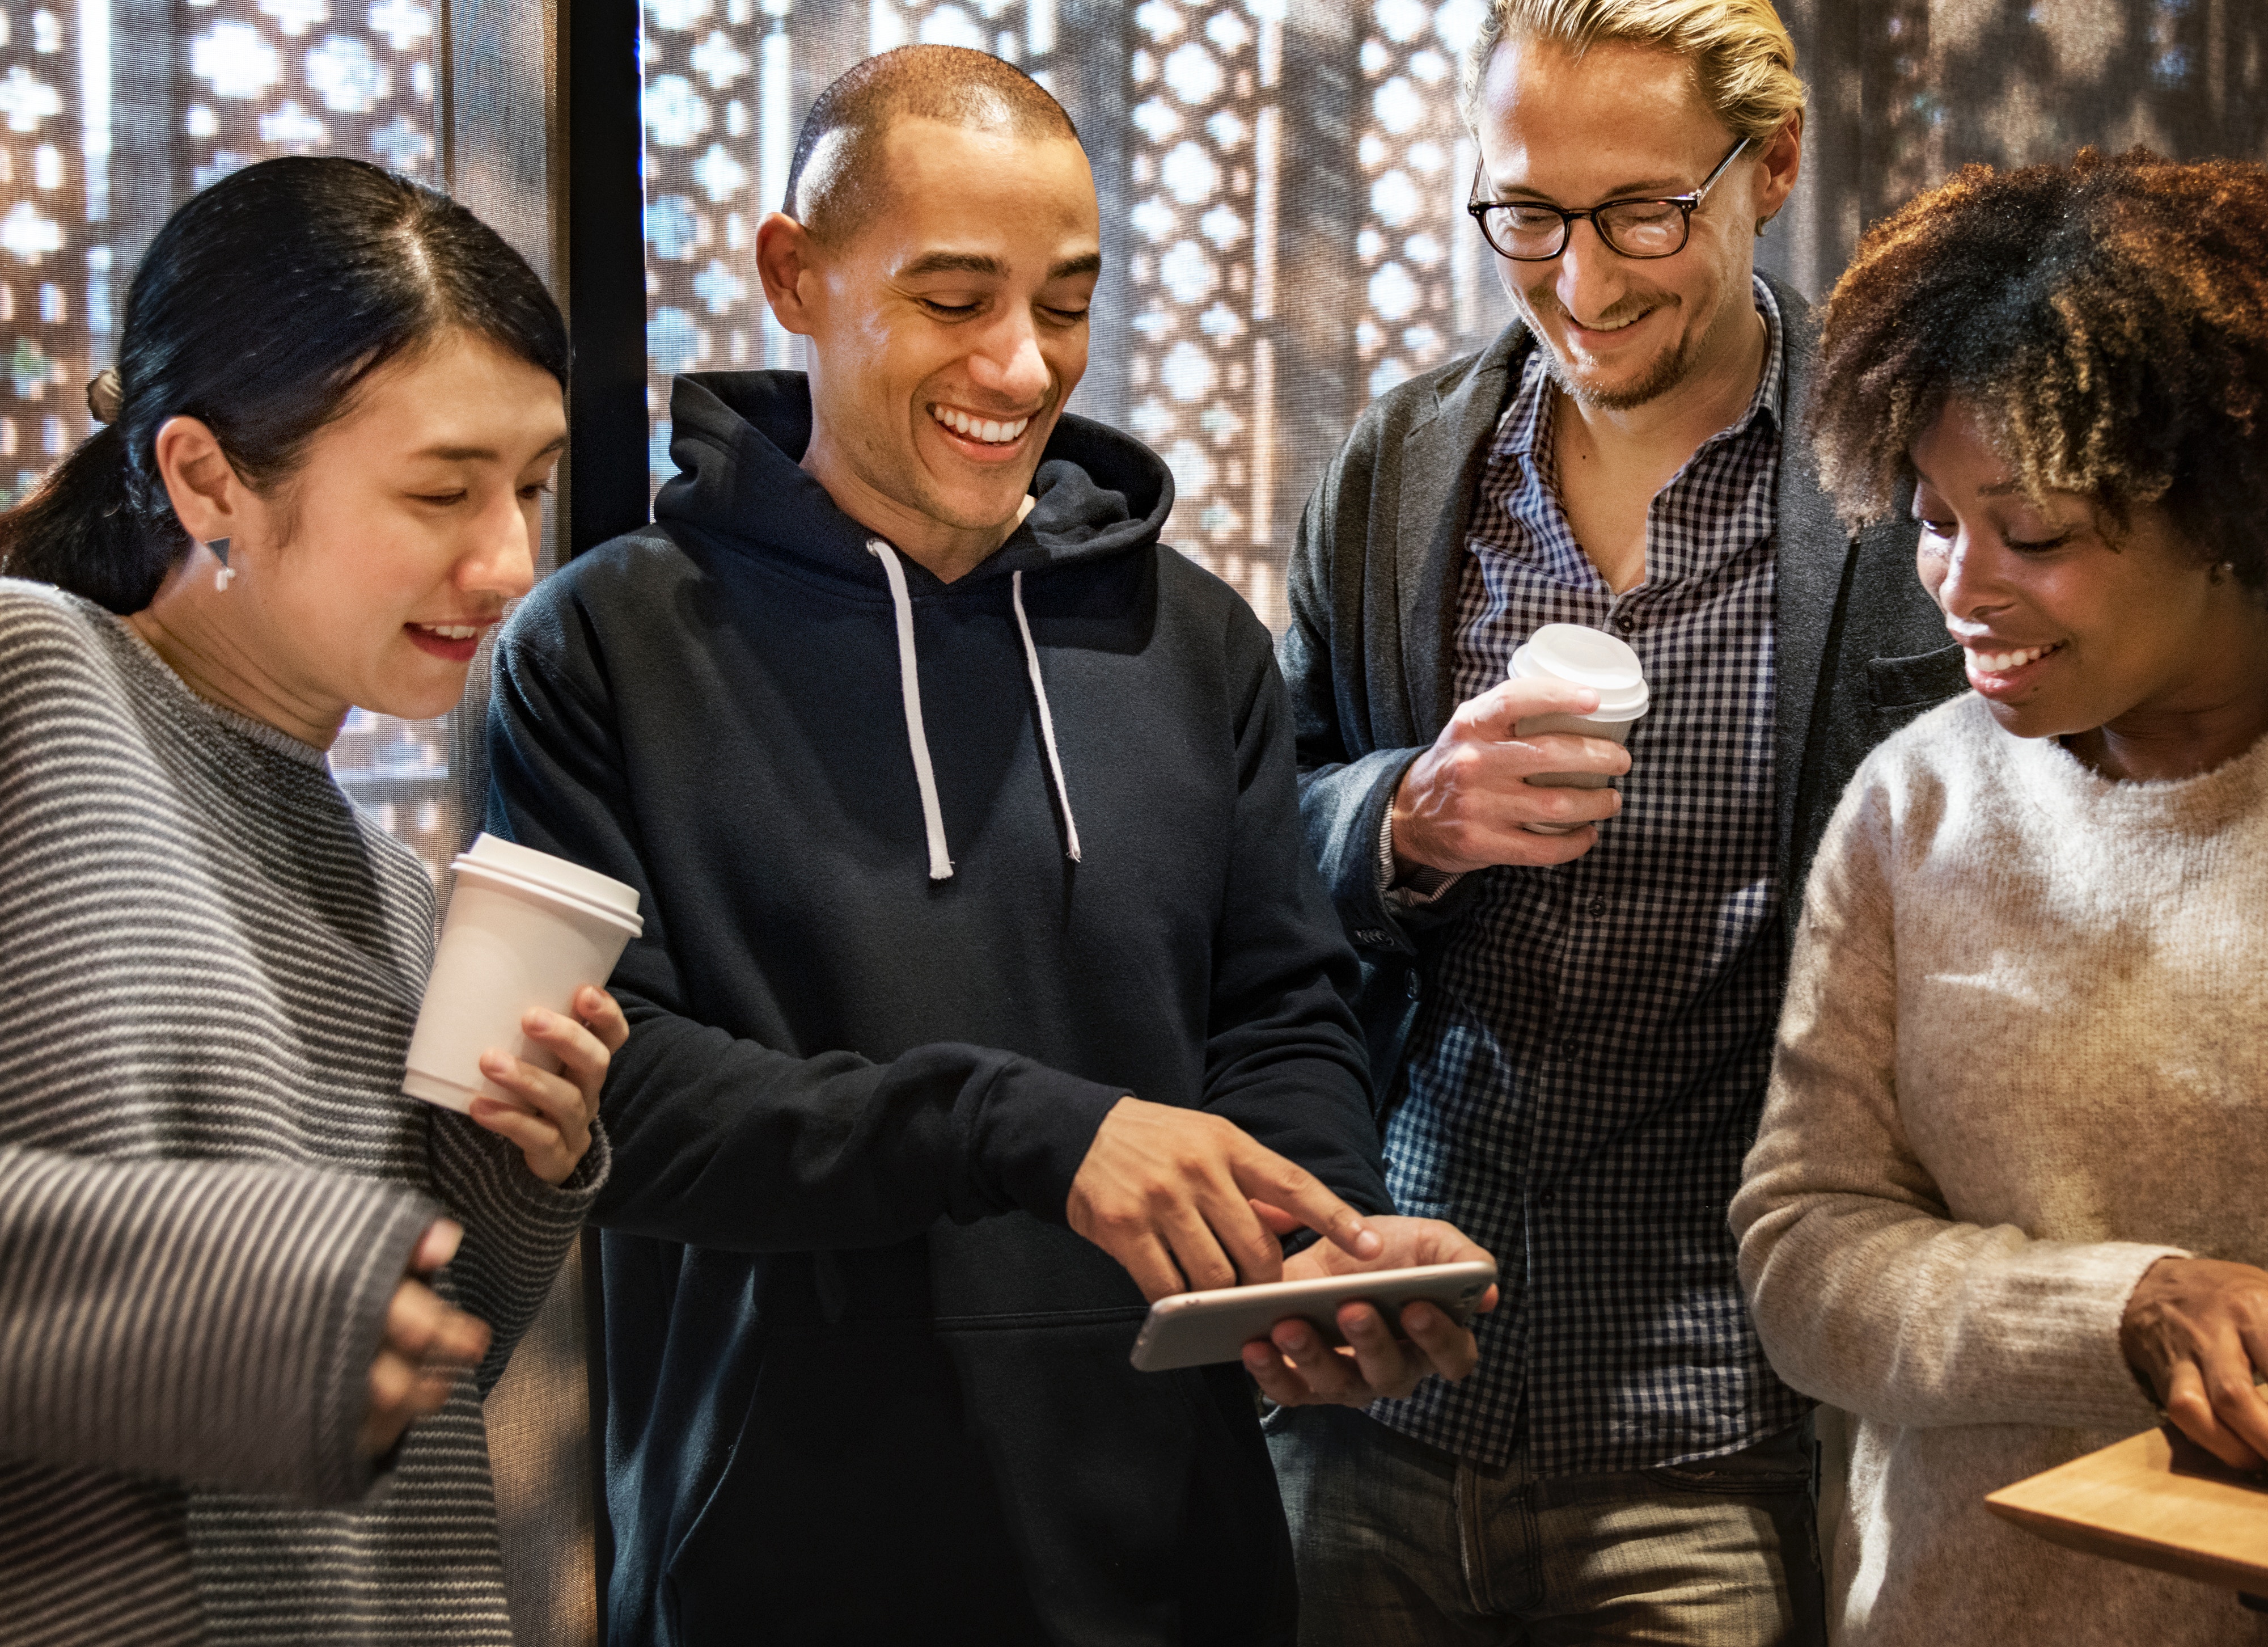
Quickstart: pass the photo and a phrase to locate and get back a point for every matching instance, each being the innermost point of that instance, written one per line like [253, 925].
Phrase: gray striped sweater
[210, 1182]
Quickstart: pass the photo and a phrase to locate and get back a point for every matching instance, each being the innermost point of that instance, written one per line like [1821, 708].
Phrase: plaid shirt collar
[1524, 433]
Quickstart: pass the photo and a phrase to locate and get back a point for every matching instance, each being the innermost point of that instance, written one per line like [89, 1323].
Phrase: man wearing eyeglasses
[1573, 1029]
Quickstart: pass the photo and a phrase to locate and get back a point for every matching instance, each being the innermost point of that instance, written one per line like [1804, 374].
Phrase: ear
[209, 498]
[787, 262]
[1783, 160]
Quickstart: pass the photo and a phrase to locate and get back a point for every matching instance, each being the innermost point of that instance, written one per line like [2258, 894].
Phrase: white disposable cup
[523, 929]
[1581, 657]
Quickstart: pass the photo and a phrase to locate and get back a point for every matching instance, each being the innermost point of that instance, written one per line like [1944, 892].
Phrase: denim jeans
[1399, 1544]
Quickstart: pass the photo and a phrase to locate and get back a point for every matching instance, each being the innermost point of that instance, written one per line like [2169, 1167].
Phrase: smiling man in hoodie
[985, 990]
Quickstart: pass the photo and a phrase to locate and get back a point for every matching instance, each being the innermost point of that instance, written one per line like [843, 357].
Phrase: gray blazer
[1861, 649]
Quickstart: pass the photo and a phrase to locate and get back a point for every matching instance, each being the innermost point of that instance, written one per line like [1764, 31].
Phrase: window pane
[1282, 188]
[115, 112]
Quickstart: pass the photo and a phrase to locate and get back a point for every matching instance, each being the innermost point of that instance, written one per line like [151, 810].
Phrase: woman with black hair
[2006, 1196]
[240, 1272]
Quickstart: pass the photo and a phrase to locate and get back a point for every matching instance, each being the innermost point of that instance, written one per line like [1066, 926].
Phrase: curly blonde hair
[1743, 59]
[2107, 321]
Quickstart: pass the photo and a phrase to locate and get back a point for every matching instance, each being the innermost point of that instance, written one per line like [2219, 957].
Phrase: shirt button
[1598, 906]
[1625, 621]
[1547, 1200]
[1412, 985]
[1567, 1049]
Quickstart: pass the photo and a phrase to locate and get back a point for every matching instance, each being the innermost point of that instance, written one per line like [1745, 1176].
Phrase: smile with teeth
[450, 631]
[989, 431]
[2002, 662]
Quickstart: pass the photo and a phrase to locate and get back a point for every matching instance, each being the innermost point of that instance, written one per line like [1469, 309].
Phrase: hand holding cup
[527, 934]
[550, 1119]
[1467, 803]
[1520, 774]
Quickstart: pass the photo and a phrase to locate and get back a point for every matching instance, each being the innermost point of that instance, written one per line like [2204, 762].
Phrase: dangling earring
[226, 575]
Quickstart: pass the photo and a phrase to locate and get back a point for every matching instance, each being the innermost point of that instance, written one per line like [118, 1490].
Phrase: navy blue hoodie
[864, 1382]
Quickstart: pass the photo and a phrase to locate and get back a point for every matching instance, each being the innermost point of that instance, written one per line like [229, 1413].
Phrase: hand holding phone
[1295, 1365]
[1191, 1329]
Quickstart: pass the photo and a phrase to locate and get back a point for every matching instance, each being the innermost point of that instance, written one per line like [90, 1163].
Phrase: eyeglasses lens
[1642, 228]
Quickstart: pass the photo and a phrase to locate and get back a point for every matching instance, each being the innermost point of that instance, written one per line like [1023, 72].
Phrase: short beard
[1667, 370]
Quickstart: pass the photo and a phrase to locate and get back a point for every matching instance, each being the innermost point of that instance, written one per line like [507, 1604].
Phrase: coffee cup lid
[558, 873]
[1585, 657]
[474, 873]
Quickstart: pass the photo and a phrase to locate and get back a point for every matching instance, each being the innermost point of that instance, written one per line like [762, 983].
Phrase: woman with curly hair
[2005, 1199]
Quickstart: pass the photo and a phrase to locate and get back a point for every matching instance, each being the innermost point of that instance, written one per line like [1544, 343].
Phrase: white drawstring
[1047, 720]
[940, 864]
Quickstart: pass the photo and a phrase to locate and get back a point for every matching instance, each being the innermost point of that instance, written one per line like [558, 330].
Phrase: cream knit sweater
[2023, 1058]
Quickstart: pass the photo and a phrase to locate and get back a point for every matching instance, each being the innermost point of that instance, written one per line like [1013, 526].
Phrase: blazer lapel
[1811, 555]
[1442, 458]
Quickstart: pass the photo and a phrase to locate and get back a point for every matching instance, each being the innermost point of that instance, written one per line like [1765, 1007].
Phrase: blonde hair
[1743, 60]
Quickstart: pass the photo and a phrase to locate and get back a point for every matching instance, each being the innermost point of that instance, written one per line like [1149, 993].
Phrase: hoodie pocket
[855, 1507]
[1144, 1505]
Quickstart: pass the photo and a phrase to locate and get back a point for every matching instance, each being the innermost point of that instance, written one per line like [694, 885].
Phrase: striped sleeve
[518, 1227]
[203, 1321]
[94, 1557]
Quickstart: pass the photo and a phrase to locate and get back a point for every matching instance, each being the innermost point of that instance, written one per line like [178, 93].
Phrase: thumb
[1497, 712]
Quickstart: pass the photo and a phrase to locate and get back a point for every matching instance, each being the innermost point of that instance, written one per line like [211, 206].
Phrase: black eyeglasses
[1529, 231]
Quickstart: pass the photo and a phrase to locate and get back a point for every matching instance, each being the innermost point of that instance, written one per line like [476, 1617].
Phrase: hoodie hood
[738, 437]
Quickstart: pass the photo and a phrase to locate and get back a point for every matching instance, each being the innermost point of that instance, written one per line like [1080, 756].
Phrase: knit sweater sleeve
[211, 1322]
[517, 1228]
[202, 1319]
[1866, 1291]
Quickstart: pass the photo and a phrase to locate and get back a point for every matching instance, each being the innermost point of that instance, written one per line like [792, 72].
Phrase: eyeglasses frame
[1686, 204]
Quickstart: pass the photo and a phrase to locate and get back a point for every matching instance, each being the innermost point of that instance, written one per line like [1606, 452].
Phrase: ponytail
[80, 531]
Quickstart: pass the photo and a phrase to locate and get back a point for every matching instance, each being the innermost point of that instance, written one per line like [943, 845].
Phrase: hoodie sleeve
[1284, 1058]
[718, 1142]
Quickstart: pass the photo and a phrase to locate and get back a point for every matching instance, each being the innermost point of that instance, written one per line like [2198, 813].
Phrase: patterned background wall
[1280, 188]
[1281, 183]
[115, 111]
[1904, 92]
[1280, 180]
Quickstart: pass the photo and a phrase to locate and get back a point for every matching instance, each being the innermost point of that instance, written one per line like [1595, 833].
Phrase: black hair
[2107, 319]
[951, 84]
[262, 305]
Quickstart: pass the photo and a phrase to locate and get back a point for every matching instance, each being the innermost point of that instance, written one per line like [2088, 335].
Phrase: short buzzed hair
[833, 189]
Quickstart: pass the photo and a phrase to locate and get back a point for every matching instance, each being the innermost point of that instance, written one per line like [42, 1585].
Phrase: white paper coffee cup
[1581, 657]
[523, 929]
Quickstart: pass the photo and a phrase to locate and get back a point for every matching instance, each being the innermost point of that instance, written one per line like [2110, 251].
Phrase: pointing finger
[1265, 1176]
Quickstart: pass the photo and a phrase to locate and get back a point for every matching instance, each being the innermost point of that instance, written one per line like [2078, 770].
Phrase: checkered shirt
[1587, 1067]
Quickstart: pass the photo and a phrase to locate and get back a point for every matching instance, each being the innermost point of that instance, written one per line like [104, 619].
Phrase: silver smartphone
[1191, 1329]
